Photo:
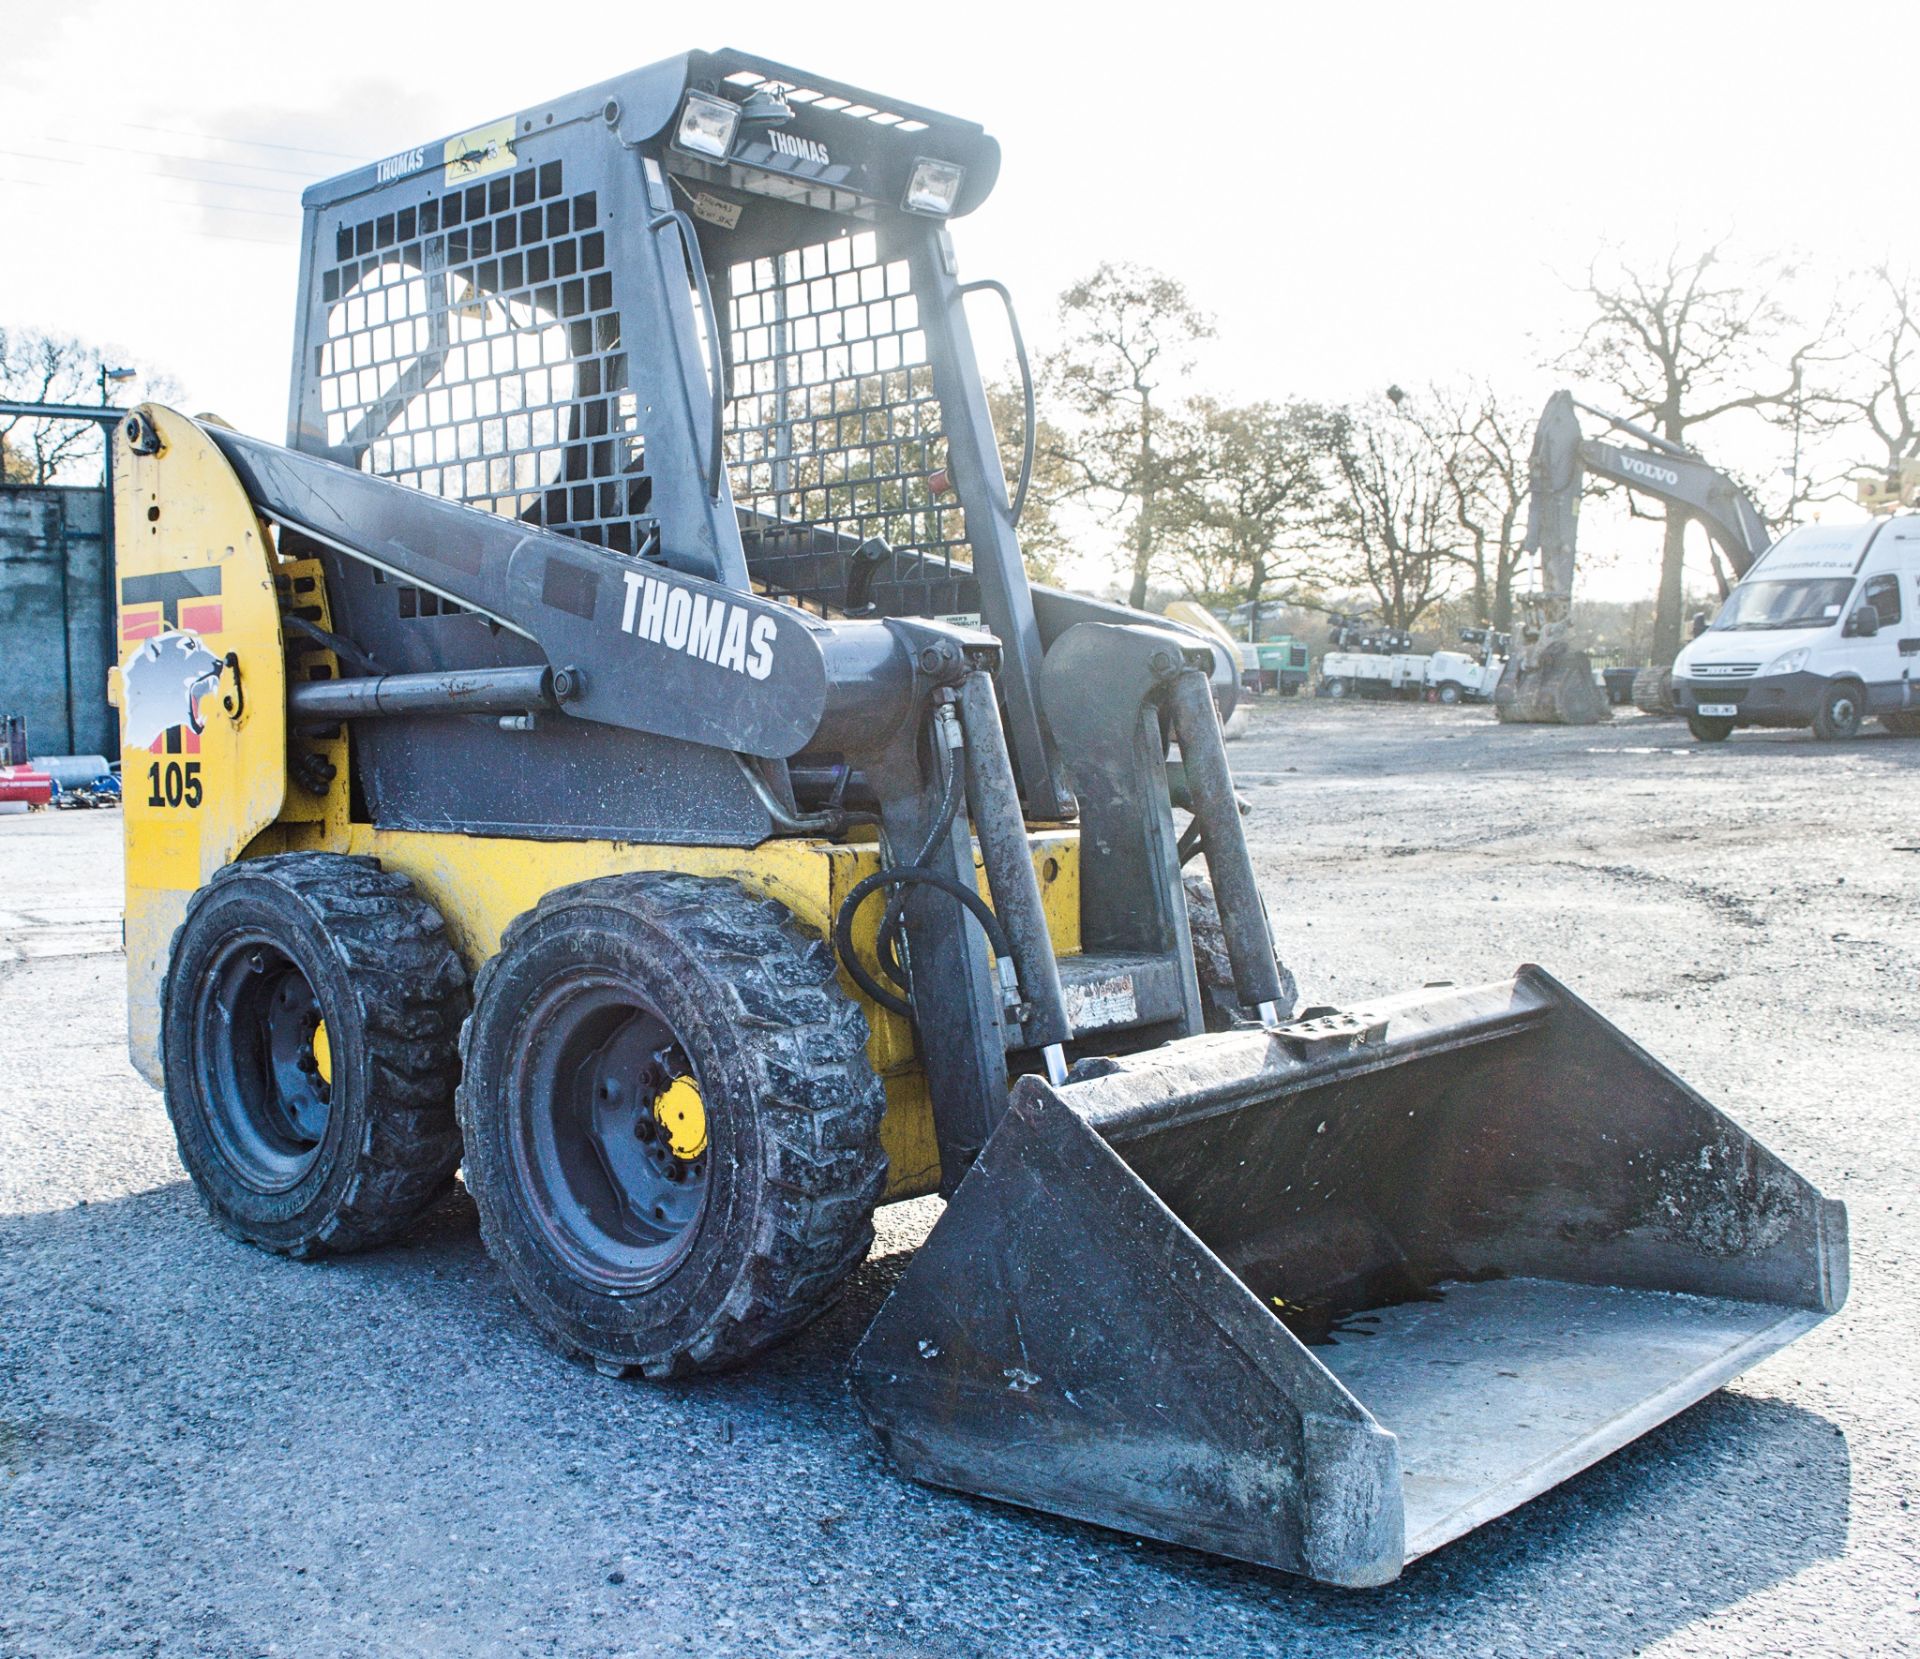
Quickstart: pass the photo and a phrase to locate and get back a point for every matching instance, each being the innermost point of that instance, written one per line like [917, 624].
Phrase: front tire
[1710, 728]
[1448, 693]
[1842, 706]
[309, 1030]
[646, 1235]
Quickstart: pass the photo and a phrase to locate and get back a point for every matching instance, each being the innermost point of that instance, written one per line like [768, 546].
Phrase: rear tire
[1212, 966]
[1710, 728]
[601, 1001]
[1904, 724]
[309, 1030]
[1842, 706]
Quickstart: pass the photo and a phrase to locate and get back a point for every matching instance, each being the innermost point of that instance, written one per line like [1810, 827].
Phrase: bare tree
[58, 368]
[1130, 333]
[1390, 523]
[1482, 446]
[1685, 340]
[1250, 499]
[1043, 539]
[1878, 381]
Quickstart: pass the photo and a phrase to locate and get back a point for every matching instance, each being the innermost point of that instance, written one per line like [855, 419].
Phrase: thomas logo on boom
[699, 625]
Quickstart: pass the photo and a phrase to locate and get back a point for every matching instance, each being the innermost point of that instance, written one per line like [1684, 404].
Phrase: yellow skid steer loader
[613, 748]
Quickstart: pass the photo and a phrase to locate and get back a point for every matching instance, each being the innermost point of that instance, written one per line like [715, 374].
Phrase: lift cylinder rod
[450, 691]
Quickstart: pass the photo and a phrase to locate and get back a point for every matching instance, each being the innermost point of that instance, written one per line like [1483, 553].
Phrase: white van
[1823, 631]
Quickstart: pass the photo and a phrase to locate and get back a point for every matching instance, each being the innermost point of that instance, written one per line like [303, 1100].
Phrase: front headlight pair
[709, 125]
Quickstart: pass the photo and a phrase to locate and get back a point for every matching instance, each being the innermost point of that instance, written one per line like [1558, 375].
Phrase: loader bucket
[1326, 1298]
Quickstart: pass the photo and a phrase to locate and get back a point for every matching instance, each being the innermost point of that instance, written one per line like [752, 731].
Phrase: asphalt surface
[208, 1451]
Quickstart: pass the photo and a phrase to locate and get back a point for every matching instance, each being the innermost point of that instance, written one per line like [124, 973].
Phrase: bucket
[1327, 1297]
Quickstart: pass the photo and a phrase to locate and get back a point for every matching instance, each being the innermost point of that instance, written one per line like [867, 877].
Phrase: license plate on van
[1718, 711]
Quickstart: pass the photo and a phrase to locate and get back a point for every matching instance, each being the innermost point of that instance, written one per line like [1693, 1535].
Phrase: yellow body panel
[480, 883]
[195, 583]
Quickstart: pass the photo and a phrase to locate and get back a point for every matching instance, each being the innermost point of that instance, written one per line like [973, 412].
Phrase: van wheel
[1449, 692]
[1904, 724]
[1710, 728]
[1838, 717]
[1336, 688]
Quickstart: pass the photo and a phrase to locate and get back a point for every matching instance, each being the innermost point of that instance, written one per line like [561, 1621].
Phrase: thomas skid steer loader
[613, 747]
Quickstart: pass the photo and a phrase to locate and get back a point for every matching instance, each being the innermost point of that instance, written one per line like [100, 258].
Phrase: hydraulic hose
[887, 944]
[906, 875]
[902, 877]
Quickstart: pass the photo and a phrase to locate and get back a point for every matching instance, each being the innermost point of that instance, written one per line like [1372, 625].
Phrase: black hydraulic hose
[887, 940]
[1026, 387]
[901, 877]
[342, 648]
[909, 875]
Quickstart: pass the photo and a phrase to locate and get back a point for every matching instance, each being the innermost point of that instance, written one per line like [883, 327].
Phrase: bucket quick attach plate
[1325, 1306]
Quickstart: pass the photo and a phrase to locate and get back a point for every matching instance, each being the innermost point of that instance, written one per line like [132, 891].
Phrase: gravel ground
[208, 1451]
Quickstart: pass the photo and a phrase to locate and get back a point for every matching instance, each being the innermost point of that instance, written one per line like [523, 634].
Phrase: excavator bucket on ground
[1327, 1297]
[1557, 688]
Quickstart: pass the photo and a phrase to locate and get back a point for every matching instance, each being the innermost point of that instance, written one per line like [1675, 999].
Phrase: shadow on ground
[222, 1452]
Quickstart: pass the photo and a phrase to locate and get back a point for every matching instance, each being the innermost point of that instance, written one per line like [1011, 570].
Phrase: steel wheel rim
[266, 1102]
[602, 1181]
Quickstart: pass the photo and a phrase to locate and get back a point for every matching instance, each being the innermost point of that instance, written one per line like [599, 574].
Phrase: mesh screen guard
[833, 429]
[472, 349]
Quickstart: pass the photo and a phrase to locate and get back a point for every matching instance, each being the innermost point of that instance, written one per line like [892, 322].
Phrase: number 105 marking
[175, 784]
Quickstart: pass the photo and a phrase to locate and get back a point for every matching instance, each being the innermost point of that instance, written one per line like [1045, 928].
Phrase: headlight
[1790, 662]
[707, 125]
[934, 187]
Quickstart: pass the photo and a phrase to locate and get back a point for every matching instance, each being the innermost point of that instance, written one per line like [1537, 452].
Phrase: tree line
[1407, 499]
[1402, 501]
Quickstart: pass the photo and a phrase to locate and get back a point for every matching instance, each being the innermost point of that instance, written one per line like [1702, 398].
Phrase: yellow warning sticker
[488, 149]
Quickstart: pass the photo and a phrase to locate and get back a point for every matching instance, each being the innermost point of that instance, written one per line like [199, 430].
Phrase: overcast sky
[1361, 194]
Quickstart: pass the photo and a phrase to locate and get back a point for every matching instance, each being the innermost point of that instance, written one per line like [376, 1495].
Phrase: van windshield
[1807, 604]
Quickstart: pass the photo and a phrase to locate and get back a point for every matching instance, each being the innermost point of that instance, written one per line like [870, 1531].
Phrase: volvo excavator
[559, 761]
[1546, 680]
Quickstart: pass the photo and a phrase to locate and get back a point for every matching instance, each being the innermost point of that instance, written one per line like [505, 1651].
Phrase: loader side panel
[479, 884]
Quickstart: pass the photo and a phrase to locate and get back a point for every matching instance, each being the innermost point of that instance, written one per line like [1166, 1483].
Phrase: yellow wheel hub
[684, 1117]
[322, 1053]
